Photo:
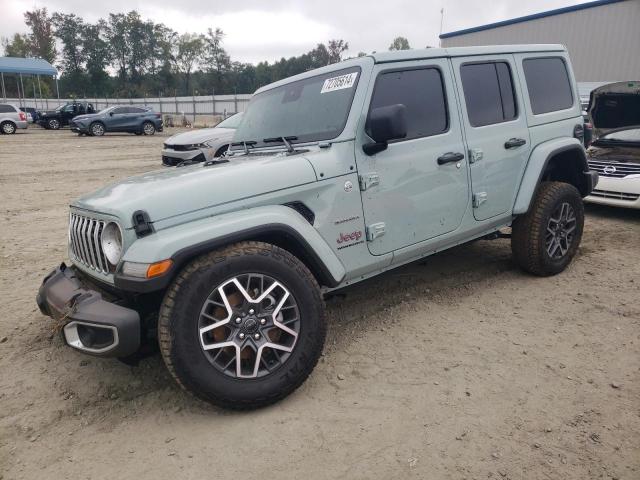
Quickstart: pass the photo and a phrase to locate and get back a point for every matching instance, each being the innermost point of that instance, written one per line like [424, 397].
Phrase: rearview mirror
[385, 124]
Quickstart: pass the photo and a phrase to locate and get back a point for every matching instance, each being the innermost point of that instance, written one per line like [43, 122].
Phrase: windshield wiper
[284, 140]
[245, 144]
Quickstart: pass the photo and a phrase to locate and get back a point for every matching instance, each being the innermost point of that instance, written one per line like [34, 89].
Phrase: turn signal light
[159, 268]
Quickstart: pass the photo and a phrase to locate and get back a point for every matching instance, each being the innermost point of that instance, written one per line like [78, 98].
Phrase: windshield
[308, 110]
[626, 135]
[232, 122]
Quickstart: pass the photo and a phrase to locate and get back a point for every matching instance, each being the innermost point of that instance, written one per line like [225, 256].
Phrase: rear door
[496, 130]
[409, 194]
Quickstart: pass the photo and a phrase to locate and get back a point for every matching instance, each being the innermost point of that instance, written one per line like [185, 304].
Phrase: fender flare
[183, 242]
[537, 164]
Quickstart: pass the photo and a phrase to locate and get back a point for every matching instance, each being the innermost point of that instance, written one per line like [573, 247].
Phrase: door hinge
[479, 198]
[375, 230]
[475, 155]
[368, 180]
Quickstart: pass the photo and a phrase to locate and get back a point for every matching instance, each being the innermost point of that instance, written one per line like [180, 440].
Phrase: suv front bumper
[89, 323]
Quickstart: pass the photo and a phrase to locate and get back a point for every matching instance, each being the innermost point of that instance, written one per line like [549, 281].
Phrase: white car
[615, 153]
[200, 145]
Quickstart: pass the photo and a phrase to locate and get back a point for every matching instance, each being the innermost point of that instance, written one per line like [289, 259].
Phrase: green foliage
[127, 56]
[400, 43]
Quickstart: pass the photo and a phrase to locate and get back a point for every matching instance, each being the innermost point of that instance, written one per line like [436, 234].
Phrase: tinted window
[6, 109]
[548, 84]
[120, 110]
[422, 92]
[136, 110]
[488, 93]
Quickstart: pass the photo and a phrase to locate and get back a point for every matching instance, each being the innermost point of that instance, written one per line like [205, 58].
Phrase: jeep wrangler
[335, 175]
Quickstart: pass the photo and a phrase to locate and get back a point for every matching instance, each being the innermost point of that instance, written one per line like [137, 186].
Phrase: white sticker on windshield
[338, 83]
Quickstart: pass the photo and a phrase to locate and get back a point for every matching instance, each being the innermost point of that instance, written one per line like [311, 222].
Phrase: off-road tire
[528, 230]
[178, 325]
[8, 127]
[97, 129]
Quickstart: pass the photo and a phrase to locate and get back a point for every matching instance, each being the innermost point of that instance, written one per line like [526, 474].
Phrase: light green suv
[336, 175]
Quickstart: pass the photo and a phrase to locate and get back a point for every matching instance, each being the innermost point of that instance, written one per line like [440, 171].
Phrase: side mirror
[385, 124]
[111, 113]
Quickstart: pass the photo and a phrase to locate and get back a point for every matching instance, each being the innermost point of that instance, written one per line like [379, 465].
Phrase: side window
[548, 84]
[422, 92]
[119, 110]
[6, 109]
[136, 110]
[488, 93]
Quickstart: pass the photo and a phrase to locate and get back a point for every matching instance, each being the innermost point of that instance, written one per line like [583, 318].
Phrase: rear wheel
[545, 239]
[97, 129]
[148, 128]
[53, 124]
[242, 327]
[8, 127]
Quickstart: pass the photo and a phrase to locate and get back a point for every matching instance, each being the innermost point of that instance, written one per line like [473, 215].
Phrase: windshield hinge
[368, 180]
[375, 230]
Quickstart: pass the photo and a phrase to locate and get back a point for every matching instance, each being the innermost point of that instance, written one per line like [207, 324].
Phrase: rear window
[548, 84]
[7, 109]
[422, 92]
[488, 93]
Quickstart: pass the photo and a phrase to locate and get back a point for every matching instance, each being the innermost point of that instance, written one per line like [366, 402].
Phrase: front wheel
[53, 124]
[148, 128]
[97, 129]
[242, 327]
[546, 238]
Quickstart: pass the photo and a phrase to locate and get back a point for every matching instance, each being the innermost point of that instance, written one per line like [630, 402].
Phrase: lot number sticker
[338, 83]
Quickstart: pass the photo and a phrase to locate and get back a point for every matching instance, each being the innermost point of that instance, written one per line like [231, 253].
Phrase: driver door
[418, 188]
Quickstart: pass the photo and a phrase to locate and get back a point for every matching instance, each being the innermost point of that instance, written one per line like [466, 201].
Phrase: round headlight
[112, 242]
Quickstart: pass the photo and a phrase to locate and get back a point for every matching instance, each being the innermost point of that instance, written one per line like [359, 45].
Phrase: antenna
[441, 20]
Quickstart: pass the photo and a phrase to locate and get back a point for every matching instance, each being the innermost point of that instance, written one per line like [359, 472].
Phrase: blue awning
[28, 66]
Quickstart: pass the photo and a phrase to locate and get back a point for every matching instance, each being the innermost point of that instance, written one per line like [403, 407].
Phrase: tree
[336, 48]
[18, 46]
[41, 41]
[69, 28]
[97, 54]
[400, 43]
[189, 50]
[215, 57]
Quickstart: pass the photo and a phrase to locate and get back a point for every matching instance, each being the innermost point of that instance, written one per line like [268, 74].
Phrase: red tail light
[23, 117]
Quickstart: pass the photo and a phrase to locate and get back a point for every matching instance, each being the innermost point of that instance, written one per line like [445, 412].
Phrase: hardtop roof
[404, 55]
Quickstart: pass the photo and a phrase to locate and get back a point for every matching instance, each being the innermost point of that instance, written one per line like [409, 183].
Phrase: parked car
[11, 118]
[614, 110]
[31, 112]
[339, 174]
[200, 145]
[138, 120]
[61, 116]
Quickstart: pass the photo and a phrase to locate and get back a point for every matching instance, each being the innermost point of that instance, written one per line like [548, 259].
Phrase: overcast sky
[270, 29]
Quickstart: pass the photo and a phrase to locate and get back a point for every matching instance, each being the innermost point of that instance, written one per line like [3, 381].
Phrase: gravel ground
[457, 367]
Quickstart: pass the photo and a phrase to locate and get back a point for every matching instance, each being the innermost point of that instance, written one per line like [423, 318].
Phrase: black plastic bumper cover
[592, 180]
[63, 297]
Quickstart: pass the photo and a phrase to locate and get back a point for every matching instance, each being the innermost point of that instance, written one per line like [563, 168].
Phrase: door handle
[450, 157]
[514, 143]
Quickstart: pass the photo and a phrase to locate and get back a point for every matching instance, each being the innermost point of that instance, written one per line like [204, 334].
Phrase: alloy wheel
[97, 129]
[54, 124]
[249, 326]
[8, 128]
[560, 231]
[148, 129]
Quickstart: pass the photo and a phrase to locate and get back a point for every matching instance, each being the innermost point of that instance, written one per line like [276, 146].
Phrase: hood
[199, 136]
[171, 192]
[614, 106]
[86, 116]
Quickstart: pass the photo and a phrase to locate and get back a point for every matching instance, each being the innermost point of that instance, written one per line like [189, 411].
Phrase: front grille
[608, 168]
[179, 148]
[84, 242]
[631, 197]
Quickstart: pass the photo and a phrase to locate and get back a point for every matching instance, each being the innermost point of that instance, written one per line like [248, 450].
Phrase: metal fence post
[193, 98]
[235, 101]
[213, 101]
[175, 97]
[160, 102]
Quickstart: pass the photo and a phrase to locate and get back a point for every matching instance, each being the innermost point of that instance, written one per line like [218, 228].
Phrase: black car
[61, 116]
[138, 120]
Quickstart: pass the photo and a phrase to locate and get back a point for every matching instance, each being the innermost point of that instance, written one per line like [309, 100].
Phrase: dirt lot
[458, 367]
